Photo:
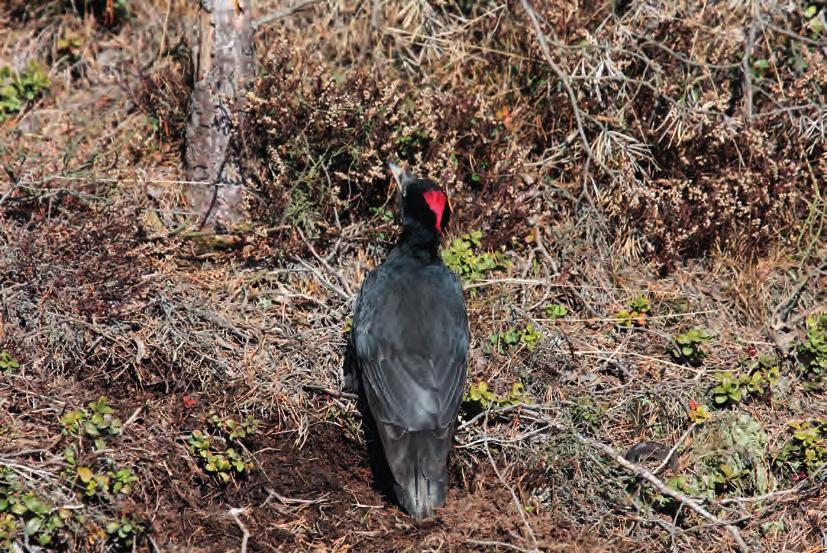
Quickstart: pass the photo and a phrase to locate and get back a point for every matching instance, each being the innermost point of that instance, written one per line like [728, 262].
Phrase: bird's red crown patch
[436, 201]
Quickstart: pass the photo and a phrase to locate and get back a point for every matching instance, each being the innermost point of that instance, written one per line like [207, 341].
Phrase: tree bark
[224, 59]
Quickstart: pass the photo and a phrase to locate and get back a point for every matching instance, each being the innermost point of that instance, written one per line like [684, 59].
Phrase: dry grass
[103, 292]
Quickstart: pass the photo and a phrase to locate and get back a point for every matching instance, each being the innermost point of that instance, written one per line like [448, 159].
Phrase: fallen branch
[668, 459]
[488, 543]
[291, 500]
[245, 534]
[647, 475]
[280, 14]
[641, 472]
[330, 392]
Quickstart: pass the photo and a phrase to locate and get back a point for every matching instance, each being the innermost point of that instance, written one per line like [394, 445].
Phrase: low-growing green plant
[806, 450]
[698, 413]
[101, 482]
[123, 532]
[728, 391]
[302, 211]
[715, 480]
[463, 257]
[91, 482]
[96, 421]
[689, 349]
[759, 68]
[480, 394]
[233, 430]
[757, 380]
[528, 336]
[761, 380]
[586, 410]
[725, 477]
[812, 351]
[26, 516]
[679, 483]
[8, 363]
[221, 463]
[815, 19]
[8, 529]
[556, 311]
[122, 480]
[18, 89]
[384, 215]
[636, 313]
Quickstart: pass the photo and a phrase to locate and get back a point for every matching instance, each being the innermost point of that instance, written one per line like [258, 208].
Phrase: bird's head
[424, 204]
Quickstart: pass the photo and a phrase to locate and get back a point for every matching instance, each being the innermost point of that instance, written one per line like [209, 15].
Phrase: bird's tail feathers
[418, 461]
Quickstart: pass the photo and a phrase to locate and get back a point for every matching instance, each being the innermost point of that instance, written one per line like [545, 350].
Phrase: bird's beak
[400, 175]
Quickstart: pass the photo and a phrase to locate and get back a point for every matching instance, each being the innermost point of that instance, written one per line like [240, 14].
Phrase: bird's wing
[411, 341]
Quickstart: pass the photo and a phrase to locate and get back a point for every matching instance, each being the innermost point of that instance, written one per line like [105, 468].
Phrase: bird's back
[410, 335]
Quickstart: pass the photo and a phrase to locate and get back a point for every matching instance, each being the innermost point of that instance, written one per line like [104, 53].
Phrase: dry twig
[245, 533]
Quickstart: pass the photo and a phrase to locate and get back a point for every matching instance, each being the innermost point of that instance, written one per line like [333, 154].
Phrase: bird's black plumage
[410, 339]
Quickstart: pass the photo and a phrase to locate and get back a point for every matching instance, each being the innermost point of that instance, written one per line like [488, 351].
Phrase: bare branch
[280, 14]
[541, 38]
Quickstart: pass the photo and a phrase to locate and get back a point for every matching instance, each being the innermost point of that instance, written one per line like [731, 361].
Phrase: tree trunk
[224, 59]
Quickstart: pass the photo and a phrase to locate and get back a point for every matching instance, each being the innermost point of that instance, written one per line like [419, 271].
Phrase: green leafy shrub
[463, 257]
[556, 311]
[233, 430]
[757, 380]
[385, 216]
[95, 422]
[726, 478]
[222, 463]
[122, 480]
[8, 363]
[689, 349]
[636, 313]
[806, 450]
[101, 481]
[480, 395]
[761, 375]
[91, 482]
[728, 390]
[528, 336]
[69, 45]
[123, 532]
[812, 351]
[760, 68]
[26, 516]
[18, 89]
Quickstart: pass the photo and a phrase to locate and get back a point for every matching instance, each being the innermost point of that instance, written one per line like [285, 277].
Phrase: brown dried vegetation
[699, 187]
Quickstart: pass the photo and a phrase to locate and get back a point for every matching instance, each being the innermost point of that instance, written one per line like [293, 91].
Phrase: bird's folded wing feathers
[413, 374]
[414, 392]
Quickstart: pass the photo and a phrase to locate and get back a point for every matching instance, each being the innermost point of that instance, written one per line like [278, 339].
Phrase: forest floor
[620, 398]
